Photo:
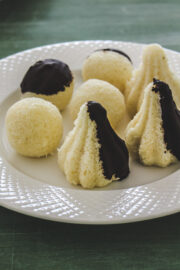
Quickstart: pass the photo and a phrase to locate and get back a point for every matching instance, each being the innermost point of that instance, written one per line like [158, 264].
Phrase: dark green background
[27, 24]
[29, 244]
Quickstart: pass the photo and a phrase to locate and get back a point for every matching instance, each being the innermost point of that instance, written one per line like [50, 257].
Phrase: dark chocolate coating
[47, 77]
[113, 151]
[116, 51]
[170, 117]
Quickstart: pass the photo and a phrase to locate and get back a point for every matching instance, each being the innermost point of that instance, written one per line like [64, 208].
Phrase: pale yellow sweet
[60, 100]
[145, 135]
[78, 156]
[154, 65]
[34, 127]
[109, 66]
[104, 93]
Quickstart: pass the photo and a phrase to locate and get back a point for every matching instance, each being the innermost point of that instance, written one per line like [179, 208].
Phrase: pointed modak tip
[96, 110]
[153, 51]
[162, 88]
[153, 47]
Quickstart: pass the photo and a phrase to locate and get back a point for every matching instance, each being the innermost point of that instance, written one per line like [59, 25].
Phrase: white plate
[37, 187]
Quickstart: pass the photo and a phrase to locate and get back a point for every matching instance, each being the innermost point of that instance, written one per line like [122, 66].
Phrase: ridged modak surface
[154, 65]
[153, 134]
[92, 154]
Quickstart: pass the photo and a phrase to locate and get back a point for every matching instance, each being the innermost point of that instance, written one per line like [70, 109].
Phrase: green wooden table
[27, 243]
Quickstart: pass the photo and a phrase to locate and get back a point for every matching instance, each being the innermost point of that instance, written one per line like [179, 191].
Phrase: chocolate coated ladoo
[113, 151]
[47, 77]
[170, 117]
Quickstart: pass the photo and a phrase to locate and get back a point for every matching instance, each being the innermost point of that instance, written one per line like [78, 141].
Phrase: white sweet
[109, 66]
[145, 135]
[154, 65]
[34, 127]
[102, 92]
[78, 157]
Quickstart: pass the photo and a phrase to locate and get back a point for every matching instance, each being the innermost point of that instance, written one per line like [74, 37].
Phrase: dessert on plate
[51, 80]
[154, 65]
[92, 154]
[153, 135]
[34, 127]
[111, 65]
